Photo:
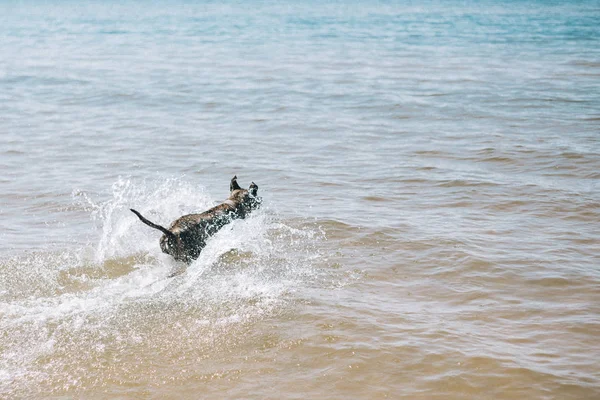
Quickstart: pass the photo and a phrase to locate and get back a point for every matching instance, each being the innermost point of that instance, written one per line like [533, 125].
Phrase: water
[431, 196]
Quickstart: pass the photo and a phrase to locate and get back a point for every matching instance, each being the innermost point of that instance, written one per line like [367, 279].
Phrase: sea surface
[431, 180]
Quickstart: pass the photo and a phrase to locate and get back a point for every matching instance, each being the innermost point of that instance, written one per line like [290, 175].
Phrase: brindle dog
[187, 236]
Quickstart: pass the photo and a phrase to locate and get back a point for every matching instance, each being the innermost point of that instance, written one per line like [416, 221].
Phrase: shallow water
[431, 199]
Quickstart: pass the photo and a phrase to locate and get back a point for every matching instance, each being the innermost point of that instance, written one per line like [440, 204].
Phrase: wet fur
[187, 236]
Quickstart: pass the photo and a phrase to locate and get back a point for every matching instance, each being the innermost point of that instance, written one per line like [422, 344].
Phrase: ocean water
[430, 173]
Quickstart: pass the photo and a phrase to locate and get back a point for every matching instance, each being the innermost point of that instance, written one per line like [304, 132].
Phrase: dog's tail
[152, 224]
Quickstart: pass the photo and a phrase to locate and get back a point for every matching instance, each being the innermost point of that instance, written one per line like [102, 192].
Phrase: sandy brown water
[430, 176]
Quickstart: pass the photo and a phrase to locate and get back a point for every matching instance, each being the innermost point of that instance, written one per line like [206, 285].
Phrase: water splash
[57, 306]
[163, 201]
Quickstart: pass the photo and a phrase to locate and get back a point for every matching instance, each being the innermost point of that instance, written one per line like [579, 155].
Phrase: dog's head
[245, 199]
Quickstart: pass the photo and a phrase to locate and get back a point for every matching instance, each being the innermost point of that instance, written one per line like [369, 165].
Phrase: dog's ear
[234, 185]
[253, 189]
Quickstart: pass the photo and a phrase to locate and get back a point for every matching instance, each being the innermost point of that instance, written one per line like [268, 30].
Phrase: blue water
[430, 173]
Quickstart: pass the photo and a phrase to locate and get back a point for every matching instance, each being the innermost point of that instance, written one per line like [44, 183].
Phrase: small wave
[376, 199]
[40, 80]
[554, 281]
[464, 183]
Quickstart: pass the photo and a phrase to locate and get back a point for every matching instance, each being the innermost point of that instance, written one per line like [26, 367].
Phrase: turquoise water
[338, 90]
[431, 185]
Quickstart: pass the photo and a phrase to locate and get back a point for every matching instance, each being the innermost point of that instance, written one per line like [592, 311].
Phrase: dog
[187, 236]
